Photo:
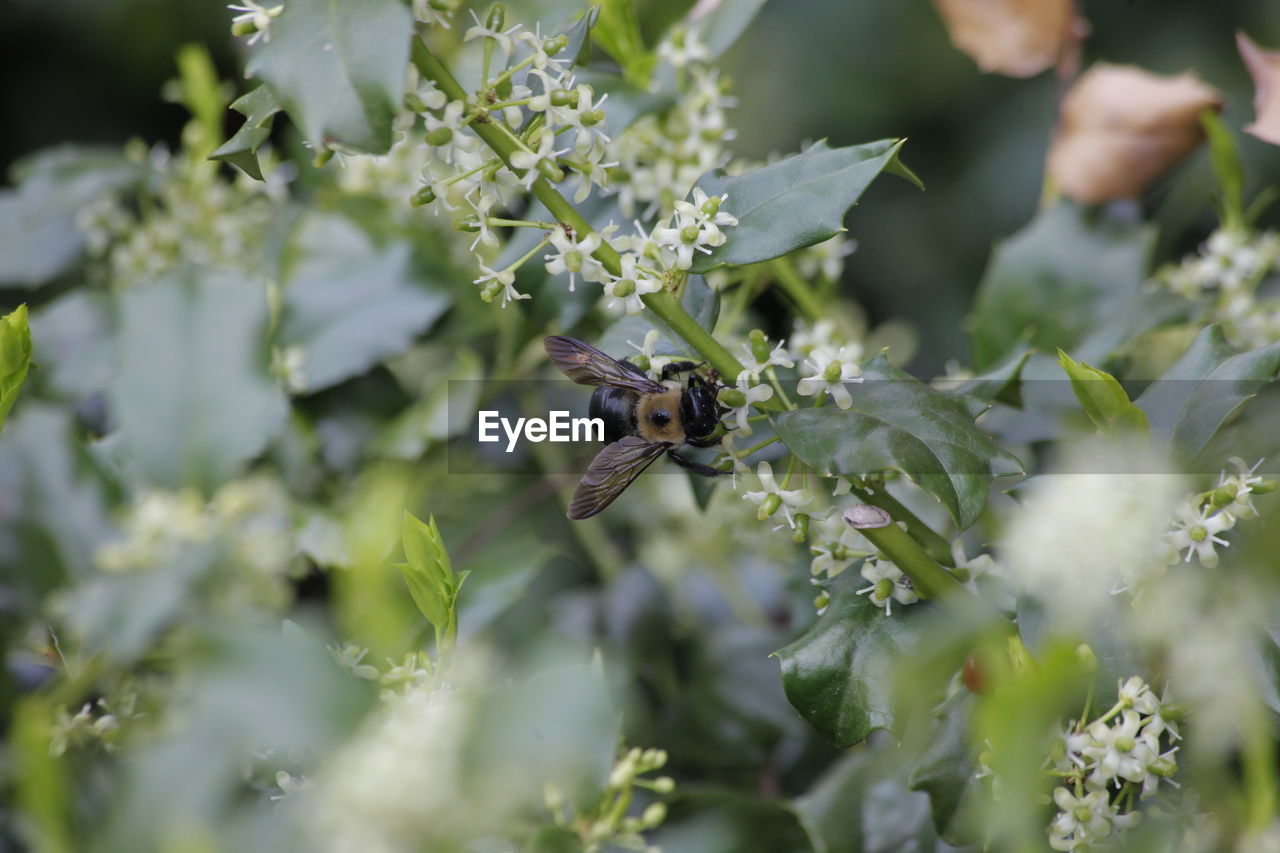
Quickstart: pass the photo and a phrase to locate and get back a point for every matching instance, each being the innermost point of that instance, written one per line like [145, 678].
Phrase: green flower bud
[592, 117]
[654, 814]
[732, 397]
[689, 233]
[555, 44]
[243, 28]
[771, 504]
[801, 531]
[641, 361]
[1163, 767]
[1262, 487]
[550, 171]
[1087, 657]
[759, 346]
[563, 98]
[821, 600]
[322, 158]
[470, 224]
[422, 197]
[664, 785]
[833, 372]
[491, 291]
[413, 103]
[1222, 496]
[884, 588]
[497, 17]
[624, 288]
[712, 206]
[439, 136]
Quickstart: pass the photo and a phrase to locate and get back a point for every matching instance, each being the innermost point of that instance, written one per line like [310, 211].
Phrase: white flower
[502, 39]
[693, 228]
[807, 338]
[584, 115]
[770, 497]
[1084, 819]
[777, 356]
[833, 556]
[888, 584]
[825, 258]
[574, 257]
[656, 362]
[1239, 488]
[532, 161]
[832, 369]
[349, 657]
[624, 291]
[435, 12]
[749, 394]
[452, 137]
[682, 49]
[506, 278]
[259, 17]
[1120, 750]
[708, 215]
[1195, 529]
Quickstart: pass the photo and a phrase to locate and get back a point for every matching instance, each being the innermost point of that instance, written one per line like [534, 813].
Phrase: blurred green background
[807, 69]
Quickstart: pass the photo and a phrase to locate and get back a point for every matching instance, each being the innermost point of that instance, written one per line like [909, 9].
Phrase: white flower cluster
[888, 584]
[97, 723]
[1229, 267]
[220, 224]
[607, 825]
[1199, 518]
[249, 516]
[1109, 765]
[661, 156]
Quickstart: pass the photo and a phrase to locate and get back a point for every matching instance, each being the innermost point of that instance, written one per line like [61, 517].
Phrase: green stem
[927, 578]
[934, 544]
[797, 288]
[663, 304]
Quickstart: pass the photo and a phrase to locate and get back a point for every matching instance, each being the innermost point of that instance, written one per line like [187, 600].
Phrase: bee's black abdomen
[617, 408]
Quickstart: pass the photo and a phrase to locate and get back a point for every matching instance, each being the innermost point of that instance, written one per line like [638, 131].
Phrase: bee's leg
[679, 367]
[702, 442]
[695, 467]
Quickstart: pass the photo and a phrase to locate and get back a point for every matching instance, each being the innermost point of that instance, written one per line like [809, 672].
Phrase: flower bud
[771, 504]
[821, 600]
[563, 98]
[243, 28]
[654, 814]
[1263, 487]
[664, 785]
[641, 361]
[322, 158]
[759, 346]
[550, 170]
[800, 533]
[555, 44]
[439, 136]
[491, 291]
[1121, 128]
[1222, 496]
[1086, 656]
[413, 103]
[422, 197]
[592, 117]
[732, 397]
[470, 224]
[497, 17]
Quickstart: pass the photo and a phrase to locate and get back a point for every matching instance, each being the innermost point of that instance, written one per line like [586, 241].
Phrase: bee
[643, 419]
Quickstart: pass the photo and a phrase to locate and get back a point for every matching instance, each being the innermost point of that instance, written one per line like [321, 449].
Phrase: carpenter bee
[643, 419]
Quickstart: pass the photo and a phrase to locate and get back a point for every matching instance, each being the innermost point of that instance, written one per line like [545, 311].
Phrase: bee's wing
[611, 471]
[586, 365]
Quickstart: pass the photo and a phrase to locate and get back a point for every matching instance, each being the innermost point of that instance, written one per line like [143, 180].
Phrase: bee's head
[699, 409]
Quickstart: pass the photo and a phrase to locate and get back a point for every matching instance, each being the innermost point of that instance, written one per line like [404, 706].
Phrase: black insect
[643, 419]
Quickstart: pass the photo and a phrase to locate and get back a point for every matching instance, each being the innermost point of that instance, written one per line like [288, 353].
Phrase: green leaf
[15, 358]
[1104, 401]
[191, 391]
[796, 202]
[349, 301]
[1000, 384]
[898, 422]
[1192, 400]
[617, 31]
[1057, 280]
[338, 68]
[945, 770]
[725, 23]
[839, 675]
[429, 573]
[241, 150]
[1227, 169]
[39, 239]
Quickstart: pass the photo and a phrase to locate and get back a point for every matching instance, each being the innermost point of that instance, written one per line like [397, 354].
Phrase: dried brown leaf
[1121, 128]
[1017, 38]
[1264, 67]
